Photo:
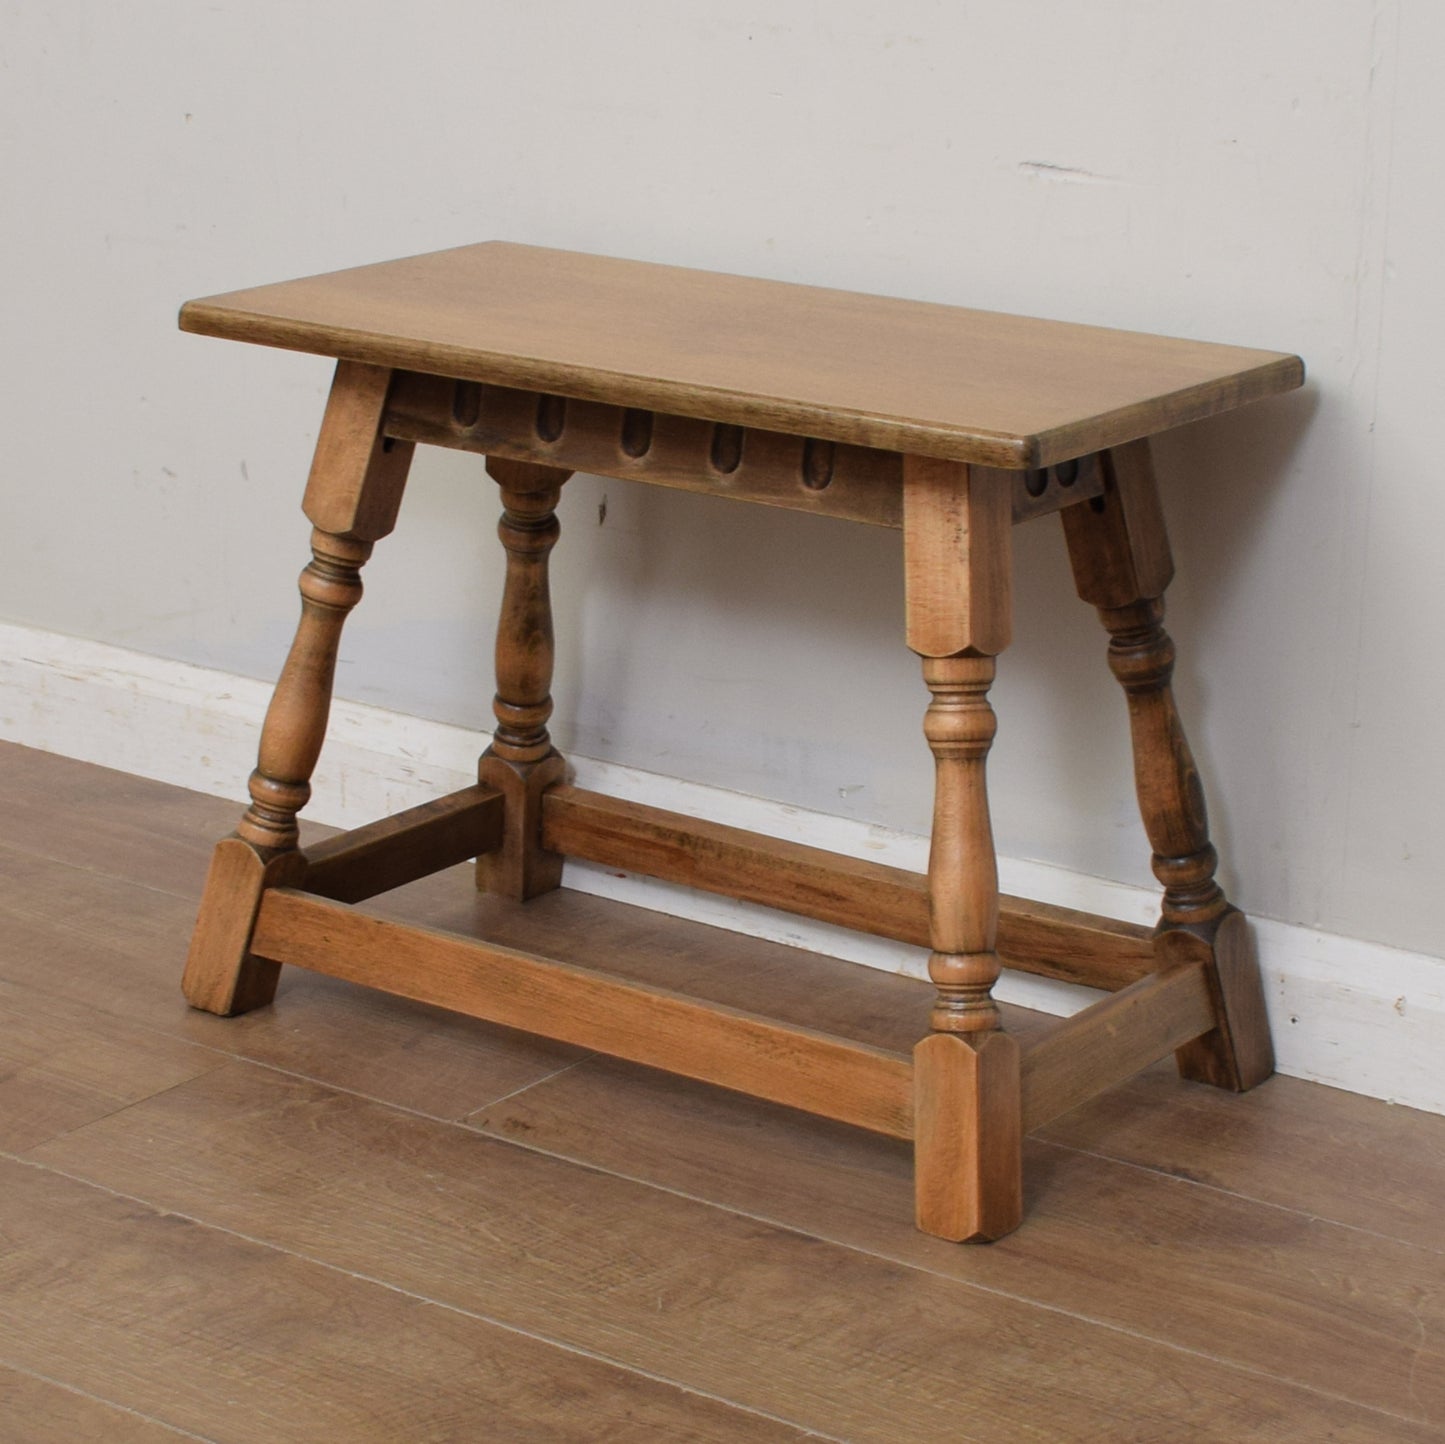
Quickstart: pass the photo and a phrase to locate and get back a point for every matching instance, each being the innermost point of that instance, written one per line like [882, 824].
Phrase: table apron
[688, 453]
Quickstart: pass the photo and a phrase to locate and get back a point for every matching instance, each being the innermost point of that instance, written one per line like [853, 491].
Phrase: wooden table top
[909, 376]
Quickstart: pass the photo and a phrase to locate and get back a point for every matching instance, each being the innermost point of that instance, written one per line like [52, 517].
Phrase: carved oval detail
[817, 464]
[466, 404]
[551, 416]
[727, 448]
[636, 431]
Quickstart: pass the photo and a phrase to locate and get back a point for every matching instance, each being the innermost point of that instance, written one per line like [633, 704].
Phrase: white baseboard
[1350, 1013]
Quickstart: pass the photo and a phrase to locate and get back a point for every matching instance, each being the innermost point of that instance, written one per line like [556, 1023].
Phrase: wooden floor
[350, 1218]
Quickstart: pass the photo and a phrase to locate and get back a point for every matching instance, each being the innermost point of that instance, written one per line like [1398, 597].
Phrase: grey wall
[1263, 173]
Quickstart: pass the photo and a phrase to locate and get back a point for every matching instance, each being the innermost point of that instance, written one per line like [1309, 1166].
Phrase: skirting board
[1353, 1014]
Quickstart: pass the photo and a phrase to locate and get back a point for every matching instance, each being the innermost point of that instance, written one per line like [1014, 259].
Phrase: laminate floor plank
[1354, 1160]
[147, 832]
[829, 1337]
[108, 821]
[239, 1342]
[62, 1065]
[1194, 1265]
[35, 1411]
[106, 944]
[885, 1010]
[120, 948]
[1268, 1288]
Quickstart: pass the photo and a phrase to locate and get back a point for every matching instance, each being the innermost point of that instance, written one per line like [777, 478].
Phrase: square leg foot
[1238, 1053]
[968, 1136]
[221, 974]
[521, 868]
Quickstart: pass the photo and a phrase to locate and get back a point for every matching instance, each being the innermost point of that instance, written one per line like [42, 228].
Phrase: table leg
[521, 763]
[967, 1131]
[351, 499]
[1122, 565]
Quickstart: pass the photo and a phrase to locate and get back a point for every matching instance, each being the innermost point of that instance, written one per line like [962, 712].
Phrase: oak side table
[951, 424]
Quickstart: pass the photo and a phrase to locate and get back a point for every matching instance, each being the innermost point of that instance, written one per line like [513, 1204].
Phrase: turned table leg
[351, 499]
[967, 1129]
[1122, 565]
[521, 763]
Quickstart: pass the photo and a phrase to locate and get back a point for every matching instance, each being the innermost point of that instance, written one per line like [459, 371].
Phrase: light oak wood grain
[406, 846]
[967, 1136]
[1266, 1310]
[357, 473]
[75, 935]
[957, 558]
[747, 464]
[38, 1412]
[586, 1007]
[870, 897]
[1119, 548]
[1357, 1161]
[1238, 1052]
[862, 1004]
[831, 1338]
[222, 974]
[228, 1338]
[1271, 1287]
[1108, 1042]
[123, 826]
[352, 498]
[62, 1065]
[963, 398]
[521, 763]
[902, 375]
[1122, 564]
[684, 452]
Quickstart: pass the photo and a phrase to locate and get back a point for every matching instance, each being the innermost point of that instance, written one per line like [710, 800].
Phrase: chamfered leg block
[1122, 565]
[222, 974]
[521, 763]
[352, 498]
[957, 564]
[967, 1136]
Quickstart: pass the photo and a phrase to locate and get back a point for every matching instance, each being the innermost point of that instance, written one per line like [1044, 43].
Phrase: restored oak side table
[951, 424]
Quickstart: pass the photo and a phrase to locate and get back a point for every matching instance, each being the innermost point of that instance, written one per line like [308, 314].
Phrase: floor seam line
[465, 1119]
[1249, 1198]
[113, 1112]
[783, 1226]
[423, 1299]
[80, 1393]
[93, 871]
[953, 1279]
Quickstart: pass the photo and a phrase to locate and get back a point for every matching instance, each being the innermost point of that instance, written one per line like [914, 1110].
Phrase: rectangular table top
[911, 376]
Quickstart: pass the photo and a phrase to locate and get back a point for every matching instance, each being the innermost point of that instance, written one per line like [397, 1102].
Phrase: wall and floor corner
[1223, 172]
[1345, 1012]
